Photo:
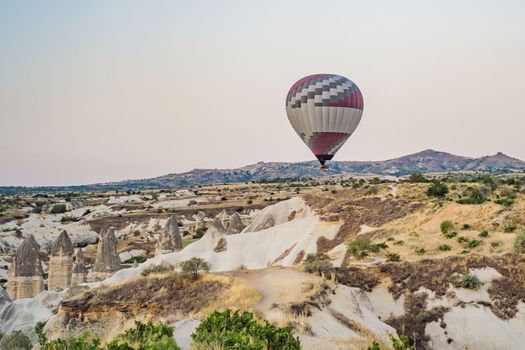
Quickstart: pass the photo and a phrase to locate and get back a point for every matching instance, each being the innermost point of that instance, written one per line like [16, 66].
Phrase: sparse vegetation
[451, 234]
[158, 269]
[519, 242]
[318, 263]
[69, 218]
[509, 227]
[392, 257]
[444, 247]
[361, 247]
[16, 341]
[420, 251]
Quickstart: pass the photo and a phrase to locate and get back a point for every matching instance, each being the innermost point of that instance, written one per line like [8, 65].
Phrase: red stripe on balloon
[324, 141]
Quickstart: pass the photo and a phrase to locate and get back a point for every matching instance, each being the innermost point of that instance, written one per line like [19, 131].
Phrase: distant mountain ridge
[427, 161]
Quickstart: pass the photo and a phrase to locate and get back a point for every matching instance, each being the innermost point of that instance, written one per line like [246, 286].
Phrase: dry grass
[239, 294]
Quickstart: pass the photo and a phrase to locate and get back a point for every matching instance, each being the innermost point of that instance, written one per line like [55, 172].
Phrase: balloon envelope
[324, 110]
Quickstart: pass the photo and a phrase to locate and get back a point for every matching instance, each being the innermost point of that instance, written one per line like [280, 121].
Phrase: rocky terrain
[343, 261]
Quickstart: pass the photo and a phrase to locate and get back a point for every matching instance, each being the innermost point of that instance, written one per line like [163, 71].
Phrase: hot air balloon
[324, 110]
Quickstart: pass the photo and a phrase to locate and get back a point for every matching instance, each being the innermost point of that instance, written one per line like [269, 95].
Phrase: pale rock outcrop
[224, 218]
[216, 229]
[60, 263]
[170, 239]
[79, 272]
[236, 225]
[200, 220]
[25, 278]
[107, 260]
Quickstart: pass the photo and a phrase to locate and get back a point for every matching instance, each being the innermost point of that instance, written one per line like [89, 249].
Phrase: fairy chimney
[170, 239]
[25, 278]
[107, 260]
[236, 225]
[79, 272]
[216, 229]
[60, 263]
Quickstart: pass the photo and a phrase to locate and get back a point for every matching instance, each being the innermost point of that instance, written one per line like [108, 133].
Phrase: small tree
[417, 178]
[193, 266]
[437, 189]
[446, 226]
[361, 247]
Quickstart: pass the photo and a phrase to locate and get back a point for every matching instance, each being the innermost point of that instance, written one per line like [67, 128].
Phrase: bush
[239, 330]
[444, 247]
[471, 282]
[392, 257]
[466, 226]
[509, 228]
[519, 242]
[420, 251]
[473, 196]
[463, 239]
[193, 266]
[318, 263]
[58, 209]
[417, 178]
[199, 233]
[69, 218]
[145, 336]
[446, 226]
[361, 247]
[158, 269]
[473, 243]
[437, 189]
[136, 259]
[483, 234]
[250, 201]
[451, 234]
[495, 244]
[16, 341]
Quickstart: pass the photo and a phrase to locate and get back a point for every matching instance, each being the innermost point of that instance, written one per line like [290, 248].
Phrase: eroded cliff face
[166, 296]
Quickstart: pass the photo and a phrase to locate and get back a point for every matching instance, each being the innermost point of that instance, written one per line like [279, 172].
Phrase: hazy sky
[95, 91]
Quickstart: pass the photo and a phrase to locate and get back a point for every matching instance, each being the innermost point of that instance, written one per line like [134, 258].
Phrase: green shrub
[473, 243]
[519, 242]
[444, 247]
[505, 201]
[437, 189]
[318, 263]
[463, 239]
[392, 257]
[229, 330]
[16, 341]
[471, 282]
[193, 266]
[136, 259]
[145, 336]
[361, 247]
[69, 218]
[509, 227]
[417, 178]
[473, 196]
[400, 242]
[82, 342]
[466, 226]
[249, 201]
[446, 226]
[58, 209]
[420, 251]
[451, 234]
[483, 234]
[199, 233]
[158, 269]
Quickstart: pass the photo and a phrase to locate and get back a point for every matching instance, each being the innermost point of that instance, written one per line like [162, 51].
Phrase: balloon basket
[323, 168]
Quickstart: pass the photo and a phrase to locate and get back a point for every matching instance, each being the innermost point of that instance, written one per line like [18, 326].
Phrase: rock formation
[79, 271]
[223, 217]
[107, 260]
[236, 225]
[216, 229]
[25, 278]
[60, 263]
[170, 239]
